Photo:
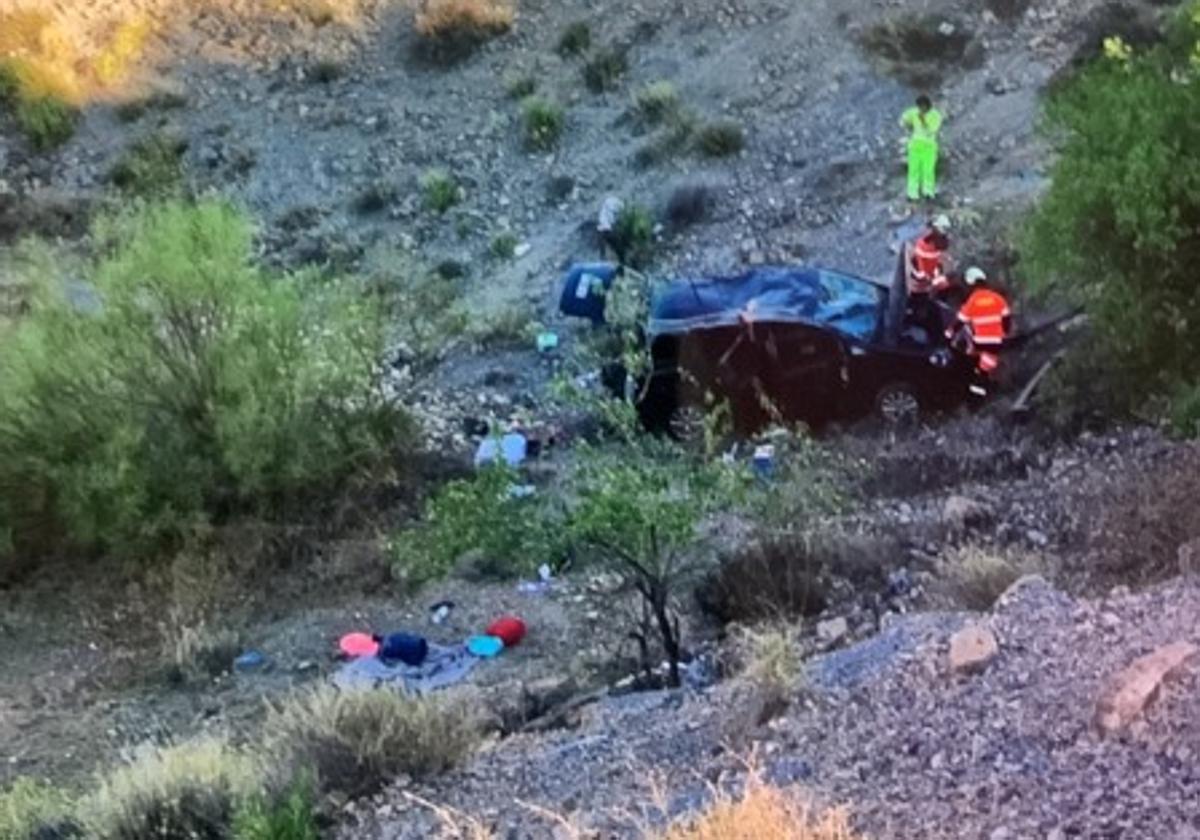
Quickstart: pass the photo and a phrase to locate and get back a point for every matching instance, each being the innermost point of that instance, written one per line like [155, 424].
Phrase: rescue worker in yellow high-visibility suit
[923, 122]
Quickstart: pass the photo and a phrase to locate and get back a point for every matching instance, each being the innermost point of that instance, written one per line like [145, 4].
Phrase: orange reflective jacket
[927, 256]
[985, 314]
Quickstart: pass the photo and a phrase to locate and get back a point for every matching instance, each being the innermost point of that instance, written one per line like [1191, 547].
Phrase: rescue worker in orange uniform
[983, 321]
[927, 275]
[927, 265]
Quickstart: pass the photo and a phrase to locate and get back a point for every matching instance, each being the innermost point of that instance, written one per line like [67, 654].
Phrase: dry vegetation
[976, 576]
[763, 813]
[357, 741]
[445, 20]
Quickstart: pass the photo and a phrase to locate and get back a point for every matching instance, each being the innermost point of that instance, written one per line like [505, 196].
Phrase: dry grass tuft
[773, 670]
[357, 741]
[184, 792]
[451, 20]
[762, 813]
[976, 576]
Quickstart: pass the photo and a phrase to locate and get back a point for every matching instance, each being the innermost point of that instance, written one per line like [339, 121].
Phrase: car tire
[687, 425]
[898, 405]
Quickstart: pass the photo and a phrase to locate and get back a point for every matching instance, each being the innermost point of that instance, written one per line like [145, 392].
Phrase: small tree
[640, 510]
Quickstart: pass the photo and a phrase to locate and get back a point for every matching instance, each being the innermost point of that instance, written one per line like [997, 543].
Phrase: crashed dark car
[797, 344]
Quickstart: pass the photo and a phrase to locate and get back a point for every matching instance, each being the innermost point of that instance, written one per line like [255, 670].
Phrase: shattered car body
[797, 344]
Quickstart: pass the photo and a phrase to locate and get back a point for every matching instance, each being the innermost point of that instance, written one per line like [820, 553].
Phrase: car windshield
[849, 304]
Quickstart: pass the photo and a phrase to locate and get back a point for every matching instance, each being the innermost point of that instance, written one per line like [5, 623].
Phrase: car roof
[791, 294]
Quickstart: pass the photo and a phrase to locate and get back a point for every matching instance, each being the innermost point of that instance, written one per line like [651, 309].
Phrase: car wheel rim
[687, 424]
[898, 407]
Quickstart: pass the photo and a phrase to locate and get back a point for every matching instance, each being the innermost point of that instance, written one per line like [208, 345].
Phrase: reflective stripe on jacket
[984, 314]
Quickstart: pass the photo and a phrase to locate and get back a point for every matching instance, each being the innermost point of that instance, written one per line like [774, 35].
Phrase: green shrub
[441, 191]
[522, 87]
[479, 525]
[671, 141]
[656, 103]
[1185, 410]
[10, 83]
[544, 122]
[326, 72]
[194, 389]
[1116, 232]
[47, 122]
[504, 246]
[720, 139]
[30, 810]
[606, 70]
[375, 198]
[508, 326]
[355, 742]
[634, 231]
[291, 818]
[151, 167]
[576, 39]
[187, 792]
[423, 305]
[133, 110]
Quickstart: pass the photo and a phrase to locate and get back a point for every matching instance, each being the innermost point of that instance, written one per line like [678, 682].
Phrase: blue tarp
[848, 304]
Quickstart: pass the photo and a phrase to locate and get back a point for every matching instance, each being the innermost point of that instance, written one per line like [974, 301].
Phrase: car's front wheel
[897, 405]
[687, 425]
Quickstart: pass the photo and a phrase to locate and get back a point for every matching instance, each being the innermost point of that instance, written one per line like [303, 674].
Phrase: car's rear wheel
[897, 405]
[687, 425]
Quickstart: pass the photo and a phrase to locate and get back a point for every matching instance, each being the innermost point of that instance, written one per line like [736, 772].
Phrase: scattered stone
[964, 512]
[1130, 691]
[972, 649]
[833, 630]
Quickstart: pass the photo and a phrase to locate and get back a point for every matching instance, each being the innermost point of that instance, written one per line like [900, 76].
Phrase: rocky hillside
[1048, 718]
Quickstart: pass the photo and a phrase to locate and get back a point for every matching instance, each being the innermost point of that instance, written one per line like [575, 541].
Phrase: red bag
[510, 630]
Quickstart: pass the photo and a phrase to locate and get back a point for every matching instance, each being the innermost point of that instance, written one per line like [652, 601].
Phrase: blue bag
[585, 290]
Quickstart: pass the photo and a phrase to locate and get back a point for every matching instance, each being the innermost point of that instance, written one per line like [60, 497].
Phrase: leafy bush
[721, 139]
[544, 121]
[576, 39]
[440, 189]
[1117, 232]
[291, 818]
[606, 70]
[504, 246]
[480, 521]
[656, 103]
[192, 387]
[357, 741]
[187, 792]
[47, 122]
[30, 810]
[634, 232]
[151, 168]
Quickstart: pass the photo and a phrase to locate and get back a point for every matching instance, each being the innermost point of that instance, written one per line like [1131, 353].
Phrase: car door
[803, 371]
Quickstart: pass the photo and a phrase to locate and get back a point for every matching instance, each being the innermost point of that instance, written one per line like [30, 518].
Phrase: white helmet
[974, 275]
[941, 223]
